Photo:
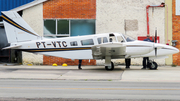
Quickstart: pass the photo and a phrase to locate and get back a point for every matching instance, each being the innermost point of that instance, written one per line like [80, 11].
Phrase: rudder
[17, 30]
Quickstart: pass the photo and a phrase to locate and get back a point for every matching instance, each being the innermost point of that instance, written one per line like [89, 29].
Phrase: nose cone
[176, 50]
[165, 49]
[171, 49]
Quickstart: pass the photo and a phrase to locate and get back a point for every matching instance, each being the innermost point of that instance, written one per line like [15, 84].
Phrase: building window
[49, 27]
[64, 28]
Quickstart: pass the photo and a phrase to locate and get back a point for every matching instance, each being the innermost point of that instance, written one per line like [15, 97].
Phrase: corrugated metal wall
[6, 5]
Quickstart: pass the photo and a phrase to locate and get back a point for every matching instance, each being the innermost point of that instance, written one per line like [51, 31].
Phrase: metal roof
[33, 3]
[17, 5]
[6, 5]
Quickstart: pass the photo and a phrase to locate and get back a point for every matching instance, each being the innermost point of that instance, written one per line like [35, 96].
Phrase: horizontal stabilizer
[11, 47]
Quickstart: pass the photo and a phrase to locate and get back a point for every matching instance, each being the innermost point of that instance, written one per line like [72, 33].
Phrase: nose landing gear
[152, 65]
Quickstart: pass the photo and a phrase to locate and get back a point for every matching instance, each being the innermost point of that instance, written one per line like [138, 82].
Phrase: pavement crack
[121, 75]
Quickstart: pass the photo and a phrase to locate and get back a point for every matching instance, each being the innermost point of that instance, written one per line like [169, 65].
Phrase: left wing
[112, 50]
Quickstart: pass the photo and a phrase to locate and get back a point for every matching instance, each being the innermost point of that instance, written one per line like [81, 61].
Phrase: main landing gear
[152, 65]
[109, 68]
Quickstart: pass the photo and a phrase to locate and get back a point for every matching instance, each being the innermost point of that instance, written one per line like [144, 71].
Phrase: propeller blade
[156, 36]
[155, 42]
[155, 52]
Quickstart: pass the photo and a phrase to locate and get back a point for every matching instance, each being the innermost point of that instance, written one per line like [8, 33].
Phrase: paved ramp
[59, 72]
[91, 73]
[163, 74]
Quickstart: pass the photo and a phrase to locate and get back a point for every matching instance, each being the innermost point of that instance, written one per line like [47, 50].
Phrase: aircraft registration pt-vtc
[100, 46]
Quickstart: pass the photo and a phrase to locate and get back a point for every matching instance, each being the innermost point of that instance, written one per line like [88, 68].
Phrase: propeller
[155, 42]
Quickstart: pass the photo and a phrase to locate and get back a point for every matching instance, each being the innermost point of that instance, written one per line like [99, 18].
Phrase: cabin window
[57, 28]
[102, 39]
[74, 43]
[87, 42]
[99, 40]
[105, 40]
[120, 39]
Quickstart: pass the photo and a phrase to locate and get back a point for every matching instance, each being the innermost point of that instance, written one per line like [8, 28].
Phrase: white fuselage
[80, 47]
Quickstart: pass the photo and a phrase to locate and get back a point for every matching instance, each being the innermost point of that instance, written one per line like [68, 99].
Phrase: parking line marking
[87, 88]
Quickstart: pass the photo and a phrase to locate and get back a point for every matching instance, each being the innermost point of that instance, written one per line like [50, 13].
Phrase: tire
[153, 66]
[110, 68]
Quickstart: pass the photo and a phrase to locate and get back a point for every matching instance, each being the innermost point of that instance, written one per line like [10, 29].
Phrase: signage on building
[177, 7]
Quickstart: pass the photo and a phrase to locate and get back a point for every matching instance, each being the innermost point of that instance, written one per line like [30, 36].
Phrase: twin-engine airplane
[100, 46]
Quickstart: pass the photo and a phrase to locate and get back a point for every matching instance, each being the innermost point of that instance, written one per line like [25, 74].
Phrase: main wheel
[110, 67]
[153, 65]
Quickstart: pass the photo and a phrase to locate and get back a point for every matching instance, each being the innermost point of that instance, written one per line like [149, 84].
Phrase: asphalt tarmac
[87, 90]
[92, 83]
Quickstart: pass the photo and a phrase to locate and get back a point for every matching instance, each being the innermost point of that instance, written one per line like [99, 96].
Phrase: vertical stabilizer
[17, 30]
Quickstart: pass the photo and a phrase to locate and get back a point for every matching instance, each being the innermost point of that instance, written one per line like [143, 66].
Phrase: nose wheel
[152, 65]
[109, 68]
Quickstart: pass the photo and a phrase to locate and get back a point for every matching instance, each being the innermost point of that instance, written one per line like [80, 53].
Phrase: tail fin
[17, 30]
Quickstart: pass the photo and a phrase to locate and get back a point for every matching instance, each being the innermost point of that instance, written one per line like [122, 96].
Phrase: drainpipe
[167, 25]
[147, 13]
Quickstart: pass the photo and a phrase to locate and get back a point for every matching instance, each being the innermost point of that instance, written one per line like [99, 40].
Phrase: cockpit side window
[112, 38]
[128, 38]
[120, 39]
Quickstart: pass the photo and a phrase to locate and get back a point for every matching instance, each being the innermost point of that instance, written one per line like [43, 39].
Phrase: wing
[113, 50]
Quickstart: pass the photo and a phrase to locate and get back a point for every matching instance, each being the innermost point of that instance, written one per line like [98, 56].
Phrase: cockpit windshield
[128, 38]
